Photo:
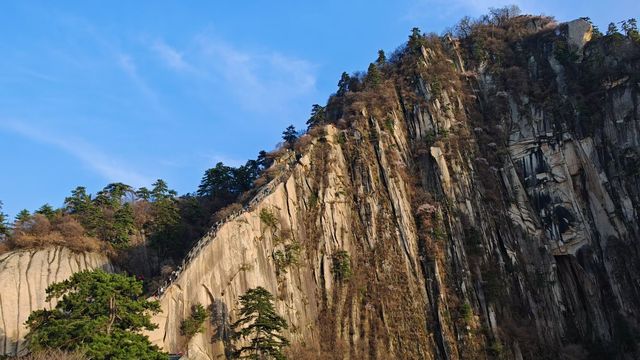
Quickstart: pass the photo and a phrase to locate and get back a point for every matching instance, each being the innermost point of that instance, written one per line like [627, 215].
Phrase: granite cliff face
[488, 206]
[24, 277]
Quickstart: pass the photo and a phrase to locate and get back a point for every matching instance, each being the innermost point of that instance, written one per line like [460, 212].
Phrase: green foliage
[374, 76]
[48, 211]
[630, 28]
[313, 200]
[467, 312]
[283, 259]
[612, 29]
[193, 324]
[563, 53]
[382, 58]
[260, 327]
[343, 84]
[389, 124]
[290, 135]
[4, 226]
[268, 218]
[341, 266]
[496, 349]
[318, 115]
[98, 313]
[436, 88]
[416, 40]
[23, 216]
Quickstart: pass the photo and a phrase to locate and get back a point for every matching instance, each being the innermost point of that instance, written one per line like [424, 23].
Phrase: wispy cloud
[259, 80]
[128, 65]
[103, 164]
[170, 56]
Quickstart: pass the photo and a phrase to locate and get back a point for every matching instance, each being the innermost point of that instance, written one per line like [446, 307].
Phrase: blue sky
[92, 92]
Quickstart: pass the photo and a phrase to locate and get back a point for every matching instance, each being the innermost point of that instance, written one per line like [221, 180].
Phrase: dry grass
[40, 232]
[53, 355]
[224, 213]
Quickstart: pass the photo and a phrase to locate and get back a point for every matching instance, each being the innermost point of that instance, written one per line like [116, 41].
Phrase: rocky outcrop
[489, 207]
[24, 277]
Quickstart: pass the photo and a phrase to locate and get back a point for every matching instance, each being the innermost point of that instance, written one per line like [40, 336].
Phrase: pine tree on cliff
[290, 135]
[4, 227]
[374, 76]
[343, 84]
[382, 58]
[259, 326]
[98, 313]
[47, 210]
[22, 217]
[317, 115]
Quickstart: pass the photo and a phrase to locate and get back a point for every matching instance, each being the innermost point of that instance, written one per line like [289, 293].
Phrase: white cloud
[128, 65]
[170, 56]
[262, 81]
[103, 164]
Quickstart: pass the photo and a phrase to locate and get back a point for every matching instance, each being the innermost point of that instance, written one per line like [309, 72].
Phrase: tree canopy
[260, 327]
[290, 135]
[98, 313]
[4, 226]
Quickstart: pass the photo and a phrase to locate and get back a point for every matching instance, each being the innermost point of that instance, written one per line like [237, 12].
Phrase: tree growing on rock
[260, 327]
[4, 227]
[99, 314]
[290, 135]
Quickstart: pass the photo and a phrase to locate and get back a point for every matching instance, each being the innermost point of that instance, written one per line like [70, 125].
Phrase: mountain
[476, 195]
[471, 197]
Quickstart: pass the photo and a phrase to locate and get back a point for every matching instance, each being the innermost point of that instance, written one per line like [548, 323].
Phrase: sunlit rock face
[487, 202]
[24, 277]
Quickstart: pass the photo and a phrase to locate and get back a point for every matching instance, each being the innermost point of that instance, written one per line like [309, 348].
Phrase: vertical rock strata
[24, 277]
[489, 209]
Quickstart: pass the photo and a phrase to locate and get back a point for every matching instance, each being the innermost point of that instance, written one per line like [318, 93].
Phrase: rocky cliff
[24, 277]
[472, 204]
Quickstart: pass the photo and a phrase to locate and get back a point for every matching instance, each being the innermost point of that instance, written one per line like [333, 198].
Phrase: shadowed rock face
[24, 277]
[491, 217]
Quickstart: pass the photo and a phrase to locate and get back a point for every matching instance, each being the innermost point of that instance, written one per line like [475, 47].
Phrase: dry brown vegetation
[40, 232]
[53, 355]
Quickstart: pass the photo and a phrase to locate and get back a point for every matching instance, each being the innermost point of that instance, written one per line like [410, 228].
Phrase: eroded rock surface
[24, 277]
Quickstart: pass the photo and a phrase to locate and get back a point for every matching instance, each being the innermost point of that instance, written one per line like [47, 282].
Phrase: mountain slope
[486, 196]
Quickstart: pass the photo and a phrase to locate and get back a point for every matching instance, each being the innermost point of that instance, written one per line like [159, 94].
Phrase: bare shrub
[54, 355]
[38, 226]
[70, 227]
[225, 212]
[303, 143]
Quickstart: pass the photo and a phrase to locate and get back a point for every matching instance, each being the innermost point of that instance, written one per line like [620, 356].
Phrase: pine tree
[98, 313]
[143, 193]
[161, 190]
[260, 327]
[343, 84]
[382, 58]
[317, 115]
[612, 29]
[630, 28]
[22, 217]
[290, 135]
[48, 211]
[4, 226]
[374, 76]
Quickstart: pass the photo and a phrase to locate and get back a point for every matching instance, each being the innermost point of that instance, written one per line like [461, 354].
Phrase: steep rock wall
[484, 217]
[24, 277]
